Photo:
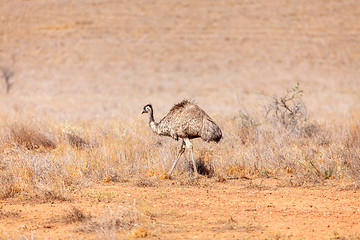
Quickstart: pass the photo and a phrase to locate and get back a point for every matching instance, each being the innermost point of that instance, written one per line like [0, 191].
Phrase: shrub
[289, 111]
[30, 136]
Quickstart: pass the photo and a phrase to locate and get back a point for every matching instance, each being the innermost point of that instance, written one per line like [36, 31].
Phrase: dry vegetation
[51, 161]
[280, 78]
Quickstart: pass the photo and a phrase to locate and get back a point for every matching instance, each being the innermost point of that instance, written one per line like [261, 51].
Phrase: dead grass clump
[114, 177]
[140, 232]
[109, 222]
[75, 215]
[355, 168]
[195, 182]
[30, 137]
[51, 195]
[8, 214]
[257, 184]
[7, 187]
[145, 182]
[44, 176]
[353, 138]
[76, 141]
[303, 177]
[352, 152]
[248, 127]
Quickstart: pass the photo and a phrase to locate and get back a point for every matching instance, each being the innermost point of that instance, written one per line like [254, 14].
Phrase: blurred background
[88, 59]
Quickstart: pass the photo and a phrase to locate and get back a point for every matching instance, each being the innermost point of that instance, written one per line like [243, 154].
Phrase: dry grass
[44, 163]
[8, 214]
[111, 221]
[30, 136]
[125, 217]
[75, 215]
[140, 232]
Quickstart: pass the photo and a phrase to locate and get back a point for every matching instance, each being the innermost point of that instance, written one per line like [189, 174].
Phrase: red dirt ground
[235, 209]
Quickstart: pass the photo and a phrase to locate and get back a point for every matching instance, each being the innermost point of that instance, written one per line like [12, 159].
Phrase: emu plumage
[185, 120]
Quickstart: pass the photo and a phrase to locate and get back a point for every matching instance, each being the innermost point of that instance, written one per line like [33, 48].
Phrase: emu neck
[152, 123]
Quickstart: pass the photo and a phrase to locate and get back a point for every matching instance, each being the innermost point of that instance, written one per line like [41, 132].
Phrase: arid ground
[229, 210]
[280, 78]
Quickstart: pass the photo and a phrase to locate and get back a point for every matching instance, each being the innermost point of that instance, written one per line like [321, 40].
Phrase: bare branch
[289, 111]
[7, 75]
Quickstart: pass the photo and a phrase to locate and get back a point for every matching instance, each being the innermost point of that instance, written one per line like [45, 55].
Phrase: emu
[187, 121]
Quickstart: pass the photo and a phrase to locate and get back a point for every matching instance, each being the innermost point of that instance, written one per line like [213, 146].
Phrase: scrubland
[49, 159]
[280, 78]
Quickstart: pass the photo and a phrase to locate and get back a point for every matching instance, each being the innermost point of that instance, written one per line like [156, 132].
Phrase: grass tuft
[110, 221]
[140, 232]
[75, 215]
[30, 136]
[76, 141]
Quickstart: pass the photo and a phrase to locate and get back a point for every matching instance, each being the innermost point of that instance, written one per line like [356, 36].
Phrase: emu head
[147, 109]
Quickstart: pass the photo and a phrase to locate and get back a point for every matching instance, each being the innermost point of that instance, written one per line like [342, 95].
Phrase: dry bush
[190, 181]
[111, 221]
[248, 127]
[75, 215]
[36, 176]
[76, 140]
[31, 166]
[30, 136]
[107, 224]
[7, 186]
[351, 154]
[145, 182]
[284, 143]
[7, 74]
[289, 111]
[126, 217]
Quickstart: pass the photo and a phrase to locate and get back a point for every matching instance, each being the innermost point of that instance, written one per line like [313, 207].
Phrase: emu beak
[143, 112]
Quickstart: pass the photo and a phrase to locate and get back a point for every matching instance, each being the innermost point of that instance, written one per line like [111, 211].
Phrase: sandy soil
[235, 209]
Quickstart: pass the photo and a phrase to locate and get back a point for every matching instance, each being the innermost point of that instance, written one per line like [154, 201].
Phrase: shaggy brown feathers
[187, 120]
[181, 104]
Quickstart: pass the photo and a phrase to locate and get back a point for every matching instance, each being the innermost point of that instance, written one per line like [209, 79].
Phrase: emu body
[186, 121]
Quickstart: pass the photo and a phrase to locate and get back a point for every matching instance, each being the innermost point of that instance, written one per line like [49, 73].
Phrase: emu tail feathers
[210, 131]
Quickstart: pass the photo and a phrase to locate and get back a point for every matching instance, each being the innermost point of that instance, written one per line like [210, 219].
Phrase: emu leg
[182, 150]
[190, 147]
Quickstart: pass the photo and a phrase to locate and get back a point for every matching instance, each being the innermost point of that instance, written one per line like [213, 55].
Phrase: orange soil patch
[208, 210]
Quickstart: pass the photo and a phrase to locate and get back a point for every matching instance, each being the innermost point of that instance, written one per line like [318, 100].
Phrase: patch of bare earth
[233, 209]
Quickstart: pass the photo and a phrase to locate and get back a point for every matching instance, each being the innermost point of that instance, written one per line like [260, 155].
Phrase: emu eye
[147, 108]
